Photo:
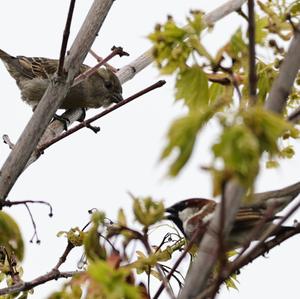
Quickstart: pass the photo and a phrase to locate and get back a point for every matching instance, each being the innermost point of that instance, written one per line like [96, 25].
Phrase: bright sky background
[88, 170]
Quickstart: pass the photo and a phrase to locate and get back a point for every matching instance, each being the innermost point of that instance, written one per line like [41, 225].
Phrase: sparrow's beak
[171, 210]
[117, 98]
[173, 214]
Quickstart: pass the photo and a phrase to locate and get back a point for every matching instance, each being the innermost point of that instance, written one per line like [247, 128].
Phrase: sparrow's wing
[248, 217]
[40, 67]
[36, 67]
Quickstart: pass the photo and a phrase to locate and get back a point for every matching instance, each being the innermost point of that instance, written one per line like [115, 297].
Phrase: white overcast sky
[88, 170]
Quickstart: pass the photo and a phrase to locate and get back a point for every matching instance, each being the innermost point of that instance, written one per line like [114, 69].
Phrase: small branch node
[7, 141]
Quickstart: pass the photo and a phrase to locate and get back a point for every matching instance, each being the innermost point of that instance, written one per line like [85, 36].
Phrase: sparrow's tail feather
[5, 57]
[13, 66]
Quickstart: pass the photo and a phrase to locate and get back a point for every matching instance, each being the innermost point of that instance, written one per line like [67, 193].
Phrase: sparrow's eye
[108, 84]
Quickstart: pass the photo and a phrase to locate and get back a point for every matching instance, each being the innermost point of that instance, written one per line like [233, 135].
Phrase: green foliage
[172, 46]
[267, 127]
[147, 211]
[113, 281]
[75, 236]
[192, 86]
[294, 9]
[93, 247]
[171, 51]
[239, 150]
[183, 133]
[69, 291]
[265, 75]
[10, 236]
[261, 32]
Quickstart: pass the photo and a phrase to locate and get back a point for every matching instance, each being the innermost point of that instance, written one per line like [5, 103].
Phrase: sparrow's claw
[65, 121]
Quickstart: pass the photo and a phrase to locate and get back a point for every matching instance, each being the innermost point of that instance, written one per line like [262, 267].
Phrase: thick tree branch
[54, 95]
[289, 68]
[206, 257]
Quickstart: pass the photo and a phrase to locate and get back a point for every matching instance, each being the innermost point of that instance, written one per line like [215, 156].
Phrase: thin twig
[294, 117]
[99, 115]
[252, 69]
[63, 257]
[200, 230]
[99, 59]
[9, 203]
[35, 234]
[26, 286]
[164, 278]
[66, 34]
[115, 51]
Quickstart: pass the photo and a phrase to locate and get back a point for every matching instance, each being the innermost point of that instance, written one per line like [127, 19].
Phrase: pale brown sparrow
[194, 214]
[32, 75]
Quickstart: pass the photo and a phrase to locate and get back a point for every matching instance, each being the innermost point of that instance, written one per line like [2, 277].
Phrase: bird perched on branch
[33, 74]
[193, 215]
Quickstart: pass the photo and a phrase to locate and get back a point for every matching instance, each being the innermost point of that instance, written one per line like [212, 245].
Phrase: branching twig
[9, 203]
[164, 279]
[288, 71]
[99, 59]
[115, 51]
[35, 234]
[200, 230]
[26, 286]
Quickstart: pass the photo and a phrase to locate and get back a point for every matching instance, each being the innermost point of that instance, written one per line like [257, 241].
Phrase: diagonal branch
[282, 86]
[54, 95]
[252, 58]
[206, 257]
[28, 285]
[87, 122]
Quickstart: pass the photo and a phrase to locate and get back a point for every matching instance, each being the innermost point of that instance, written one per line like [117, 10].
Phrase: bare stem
[26, 286]
[65, 39]
[252, 69]
[115, 51]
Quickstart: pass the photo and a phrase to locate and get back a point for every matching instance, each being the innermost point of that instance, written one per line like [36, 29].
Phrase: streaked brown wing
[248, 217]
[248, 214]
[39, 67]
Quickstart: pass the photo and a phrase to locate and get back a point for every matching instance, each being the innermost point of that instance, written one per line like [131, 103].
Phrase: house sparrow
[195, 214]
[33, 75]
